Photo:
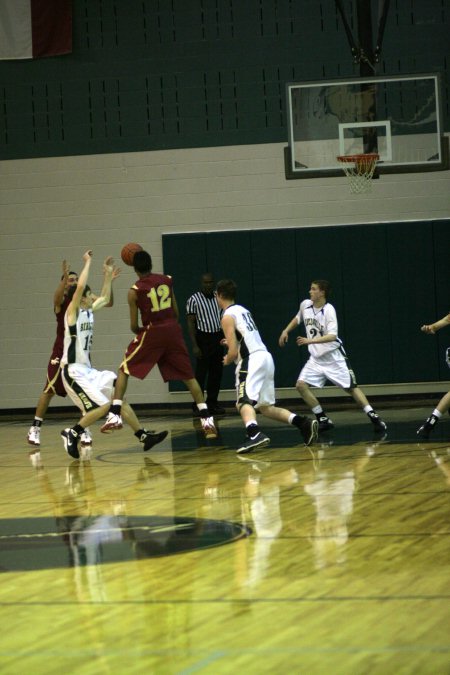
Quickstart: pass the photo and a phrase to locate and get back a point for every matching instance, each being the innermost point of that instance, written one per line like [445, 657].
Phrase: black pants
[208, 369]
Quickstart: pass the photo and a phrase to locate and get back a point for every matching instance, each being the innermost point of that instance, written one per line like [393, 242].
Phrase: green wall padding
[388, 279]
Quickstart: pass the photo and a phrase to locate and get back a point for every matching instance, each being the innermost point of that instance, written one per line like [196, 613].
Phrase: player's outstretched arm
[58, 295]
[437, 325]
[74, 306]
[105, 297]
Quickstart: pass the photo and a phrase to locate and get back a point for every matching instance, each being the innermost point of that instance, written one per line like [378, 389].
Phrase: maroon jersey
[58, 345]
[54, 381]
[155, 299]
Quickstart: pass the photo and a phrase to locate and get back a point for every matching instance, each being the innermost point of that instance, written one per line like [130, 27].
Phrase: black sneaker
[377, 422]
[309, 429]
[70, 441]
[259, 441]
[325, 424]
[427, 427]
[152, 438]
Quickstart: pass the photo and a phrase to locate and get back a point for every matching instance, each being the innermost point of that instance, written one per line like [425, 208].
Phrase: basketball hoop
[359, 170]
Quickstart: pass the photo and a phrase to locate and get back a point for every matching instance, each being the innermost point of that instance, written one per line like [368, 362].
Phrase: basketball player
[159, 340]
[254, 372]
[90, 389]
[444, 404]
[54, 384]
[327, 360]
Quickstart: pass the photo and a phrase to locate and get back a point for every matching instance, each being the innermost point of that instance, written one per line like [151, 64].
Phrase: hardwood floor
[191, 559]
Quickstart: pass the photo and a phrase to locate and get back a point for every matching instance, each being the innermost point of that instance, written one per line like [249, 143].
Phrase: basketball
[128, 251]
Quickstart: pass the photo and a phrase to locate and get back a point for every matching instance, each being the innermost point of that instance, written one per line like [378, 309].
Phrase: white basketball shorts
[88, 388]
[337, 372]
[255, 379]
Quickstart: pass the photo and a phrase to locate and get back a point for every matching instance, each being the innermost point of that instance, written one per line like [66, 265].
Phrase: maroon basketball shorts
[54, 381]
[162, 345]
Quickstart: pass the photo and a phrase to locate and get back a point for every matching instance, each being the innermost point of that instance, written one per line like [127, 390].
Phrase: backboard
[398, 117]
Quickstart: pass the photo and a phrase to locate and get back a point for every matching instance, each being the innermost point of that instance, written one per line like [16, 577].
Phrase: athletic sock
[252, 429]
[116, 406]
[297, 420]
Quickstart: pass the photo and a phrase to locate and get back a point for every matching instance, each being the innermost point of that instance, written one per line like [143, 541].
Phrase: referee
[203, 322]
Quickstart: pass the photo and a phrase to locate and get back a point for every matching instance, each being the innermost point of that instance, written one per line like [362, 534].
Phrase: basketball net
[359, 170]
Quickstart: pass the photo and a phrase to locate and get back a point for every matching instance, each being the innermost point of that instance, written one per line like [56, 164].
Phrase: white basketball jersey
[78, 338]
[247, 333]
[317, 322]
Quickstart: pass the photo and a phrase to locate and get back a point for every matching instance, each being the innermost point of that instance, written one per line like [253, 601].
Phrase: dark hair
[70, 273]
[227, 289]
[142, 262]
[324, 286]
[72, 289]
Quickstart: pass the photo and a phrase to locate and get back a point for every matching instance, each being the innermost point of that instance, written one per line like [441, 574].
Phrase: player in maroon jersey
[159, 341]
[54, 384]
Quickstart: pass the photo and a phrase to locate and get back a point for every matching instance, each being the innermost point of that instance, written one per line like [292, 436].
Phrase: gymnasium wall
[161, 74]
[169, 118]
[379, 296]
[55, 208]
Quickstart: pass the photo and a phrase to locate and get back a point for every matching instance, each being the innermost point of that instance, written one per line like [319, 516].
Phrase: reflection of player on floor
[327, 360]
[90, 389]
[158, 340]
[444, 403]
[254, 372]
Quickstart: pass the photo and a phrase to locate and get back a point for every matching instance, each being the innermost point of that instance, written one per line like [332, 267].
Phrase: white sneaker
[34, 436]
[113, 422]
[86, 438]
[85, 452]
[208, 426]
[35, 459]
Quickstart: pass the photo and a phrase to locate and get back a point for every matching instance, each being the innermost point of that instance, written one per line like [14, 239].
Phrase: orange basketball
[128, 251]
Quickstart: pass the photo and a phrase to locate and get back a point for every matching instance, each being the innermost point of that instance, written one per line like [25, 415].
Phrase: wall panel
[378, 294]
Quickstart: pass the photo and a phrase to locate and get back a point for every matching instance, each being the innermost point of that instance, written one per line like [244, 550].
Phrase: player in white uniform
[254, 372]
[327, 360]
[90, 389]
[444, 404]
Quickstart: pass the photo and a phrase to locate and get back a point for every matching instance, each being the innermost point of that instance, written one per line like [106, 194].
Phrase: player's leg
[34, 432]
[113, 420]
[308, 427]
[54, 385]
[250, 379]
[360, 398]
[312, 375]
[431, 421]
[144, 436]
[206, 419]
[91, 391]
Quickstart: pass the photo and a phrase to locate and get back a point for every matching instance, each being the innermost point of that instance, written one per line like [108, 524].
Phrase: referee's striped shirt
[206, 311]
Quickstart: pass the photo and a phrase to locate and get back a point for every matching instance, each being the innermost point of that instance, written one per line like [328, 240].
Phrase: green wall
[158, 74]
[388, 279]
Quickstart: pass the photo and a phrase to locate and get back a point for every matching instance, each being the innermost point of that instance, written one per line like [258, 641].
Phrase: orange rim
[370, 157]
